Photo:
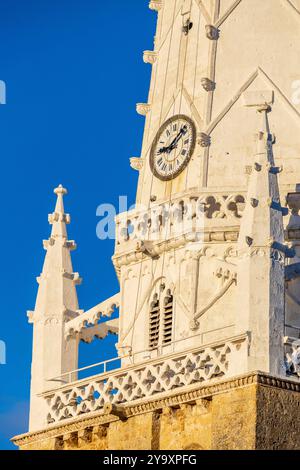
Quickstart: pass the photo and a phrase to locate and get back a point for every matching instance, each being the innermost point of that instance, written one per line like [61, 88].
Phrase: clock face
[173, 147]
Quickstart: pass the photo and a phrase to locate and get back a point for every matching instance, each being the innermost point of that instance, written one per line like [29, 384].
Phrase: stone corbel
[75, 277]
[275, 170]
[56, 217]
[143, 108]
[47, 243]
[207, 84]
[155, 5]
[150, 57]
[115, 410]
[204, 140]
[137, 163]
[146, 247]
[212, 32]
[71, 245]
[30, 316]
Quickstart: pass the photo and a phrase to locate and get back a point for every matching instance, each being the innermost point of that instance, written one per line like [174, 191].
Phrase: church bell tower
[207, 261]
[202, 257]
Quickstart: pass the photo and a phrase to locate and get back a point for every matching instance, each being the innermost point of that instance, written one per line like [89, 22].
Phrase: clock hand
[173, 144]
[162, 150]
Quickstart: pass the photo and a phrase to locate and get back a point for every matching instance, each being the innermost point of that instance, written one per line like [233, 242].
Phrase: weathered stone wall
[278, 419]
[252, 416]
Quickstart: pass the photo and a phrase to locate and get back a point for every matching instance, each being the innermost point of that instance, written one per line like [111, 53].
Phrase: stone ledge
[174, 399]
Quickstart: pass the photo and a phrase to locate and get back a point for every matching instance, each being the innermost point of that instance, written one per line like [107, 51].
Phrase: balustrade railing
[147, 379]
[189, 212]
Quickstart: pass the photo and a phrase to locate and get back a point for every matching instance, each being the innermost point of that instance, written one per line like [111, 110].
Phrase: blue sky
[74, 72]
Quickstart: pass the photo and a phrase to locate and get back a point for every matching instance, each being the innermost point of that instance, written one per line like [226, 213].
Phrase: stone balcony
[192, 216]
[138, 383]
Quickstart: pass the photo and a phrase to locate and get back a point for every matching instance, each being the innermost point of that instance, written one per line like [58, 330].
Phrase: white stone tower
[198, 165]
[209, 260]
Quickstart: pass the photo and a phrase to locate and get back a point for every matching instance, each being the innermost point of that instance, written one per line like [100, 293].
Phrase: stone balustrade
[191, 213]
[145, 380]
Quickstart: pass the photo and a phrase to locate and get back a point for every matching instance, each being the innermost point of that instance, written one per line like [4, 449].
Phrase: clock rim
[155, 142]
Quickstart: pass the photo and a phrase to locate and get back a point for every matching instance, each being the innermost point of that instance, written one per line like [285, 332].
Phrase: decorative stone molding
[212, 32]
[137, 163]
[204, 140]
[207, 84]
[143, 108]
[150, 57]
[156, 5]
[101, 331]
[92, 316]
[220, 236]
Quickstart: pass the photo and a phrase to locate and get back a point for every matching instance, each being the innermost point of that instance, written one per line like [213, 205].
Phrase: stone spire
[56, 304]
[57, 283]
[260, 307]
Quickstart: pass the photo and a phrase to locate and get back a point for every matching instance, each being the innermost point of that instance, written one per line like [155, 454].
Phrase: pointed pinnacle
[59, 219]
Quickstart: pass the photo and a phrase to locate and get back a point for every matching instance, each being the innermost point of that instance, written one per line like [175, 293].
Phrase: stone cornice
[228, 235]
[187, 395]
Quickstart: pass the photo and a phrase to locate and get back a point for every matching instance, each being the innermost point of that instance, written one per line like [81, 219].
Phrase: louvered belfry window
[154, 322]
[168, 318]
[161, 319]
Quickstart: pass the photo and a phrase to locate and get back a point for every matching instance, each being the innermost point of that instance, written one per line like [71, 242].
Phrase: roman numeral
[183, 152]
[159, 162]
[187, 141]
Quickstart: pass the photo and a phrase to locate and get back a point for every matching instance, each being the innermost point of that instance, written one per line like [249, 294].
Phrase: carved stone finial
[212, 32]
[207, 84]
[60, 190]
